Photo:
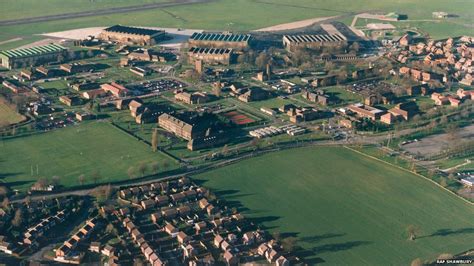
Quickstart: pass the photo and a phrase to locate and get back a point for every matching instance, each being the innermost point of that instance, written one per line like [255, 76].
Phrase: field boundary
[406, 170]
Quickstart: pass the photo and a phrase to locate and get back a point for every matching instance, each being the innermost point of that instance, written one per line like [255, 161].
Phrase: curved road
[99, 12]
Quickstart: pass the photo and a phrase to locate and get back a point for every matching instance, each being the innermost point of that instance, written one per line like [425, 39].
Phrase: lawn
[8, 115]
[70, 152]
[345, 208]
[228, 15]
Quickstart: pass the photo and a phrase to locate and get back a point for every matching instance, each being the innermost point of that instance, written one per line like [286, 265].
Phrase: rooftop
[200, 50]
[33, 51]
[220, 37]
[132, 30]
[314, 38]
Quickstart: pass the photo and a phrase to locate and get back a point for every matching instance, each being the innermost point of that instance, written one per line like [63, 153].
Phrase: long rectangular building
[292, 42]
[220, 40]
[176, 126]
[210, 55]
[36, 55]
[132, 35]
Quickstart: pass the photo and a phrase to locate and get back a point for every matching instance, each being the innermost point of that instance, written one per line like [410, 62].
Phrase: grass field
[346, 209]
[228, 15]
[15, 9]
[70, 152]
[8, 115]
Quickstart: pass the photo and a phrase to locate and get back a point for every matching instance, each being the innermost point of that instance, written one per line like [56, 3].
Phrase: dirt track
[100, 12]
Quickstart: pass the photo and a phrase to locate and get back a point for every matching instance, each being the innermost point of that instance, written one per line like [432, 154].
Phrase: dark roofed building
[210, 55]
[292, 42]
[132, 35]
[220, 40]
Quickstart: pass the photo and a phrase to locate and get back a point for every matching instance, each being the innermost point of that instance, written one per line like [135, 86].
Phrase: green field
[8, 115]
[70, 152]
[346, 209]
[16, 9]
[229, 15]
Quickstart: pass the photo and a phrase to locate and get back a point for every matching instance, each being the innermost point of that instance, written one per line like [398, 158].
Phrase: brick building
[132, 35]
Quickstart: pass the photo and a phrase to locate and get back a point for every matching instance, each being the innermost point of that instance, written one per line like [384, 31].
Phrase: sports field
[229, 15]
[71, 152]
[8, 115]
[344, 208]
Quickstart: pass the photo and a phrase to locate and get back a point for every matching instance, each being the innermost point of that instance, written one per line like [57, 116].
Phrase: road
[100, 12]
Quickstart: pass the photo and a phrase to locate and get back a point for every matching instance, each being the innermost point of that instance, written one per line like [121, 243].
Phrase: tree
[155, 166]
[18, 219]
[355, 47]
[109, 228]
[443, 182]
[166, 164]
[81, 179]
[142, 168]
[108, 192]
[276, 235]
[412, 231]
[289, 244]
[154, 140]
[90, 53]
[95, 176]
[217, 91]
[417, 262]
[131, 172]
[27, 200]
[3, 191]
[262, 60]
[6, 203]
[225, 150]
[451, 176]
[55, 180]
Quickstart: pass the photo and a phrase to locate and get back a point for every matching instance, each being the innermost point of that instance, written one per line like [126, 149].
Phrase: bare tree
[55, 180]
[154, 140]
[416, 262]
[289, 244]
[81, 179]
[18, 218]
[413, 231]
[262, 60]
[95, 176]
[225, 150]
[155, 167]
[131, 172]
[142, 168]
[6, 203]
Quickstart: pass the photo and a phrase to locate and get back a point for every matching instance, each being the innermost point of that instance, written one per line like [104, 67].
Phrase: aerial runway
[99, 12]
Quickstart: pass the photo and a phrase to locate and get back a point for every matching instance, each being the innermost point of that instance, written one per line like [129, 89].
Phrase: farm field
[71, 152]
[345, 208]
[227, 15]
[8, 115]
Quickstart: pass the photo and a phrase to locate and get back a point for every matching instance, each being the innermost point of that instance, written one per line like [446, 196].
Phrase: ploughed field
[90, 149]
[345, 208]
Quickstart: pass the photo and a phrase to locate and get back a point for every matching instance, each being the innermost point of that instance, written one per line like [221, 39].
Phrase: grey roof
[33, 51]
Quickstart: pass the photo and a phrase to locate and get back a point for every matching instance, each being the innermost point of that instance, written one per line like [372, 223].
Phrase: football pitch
[345, 208]
[90, 149]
